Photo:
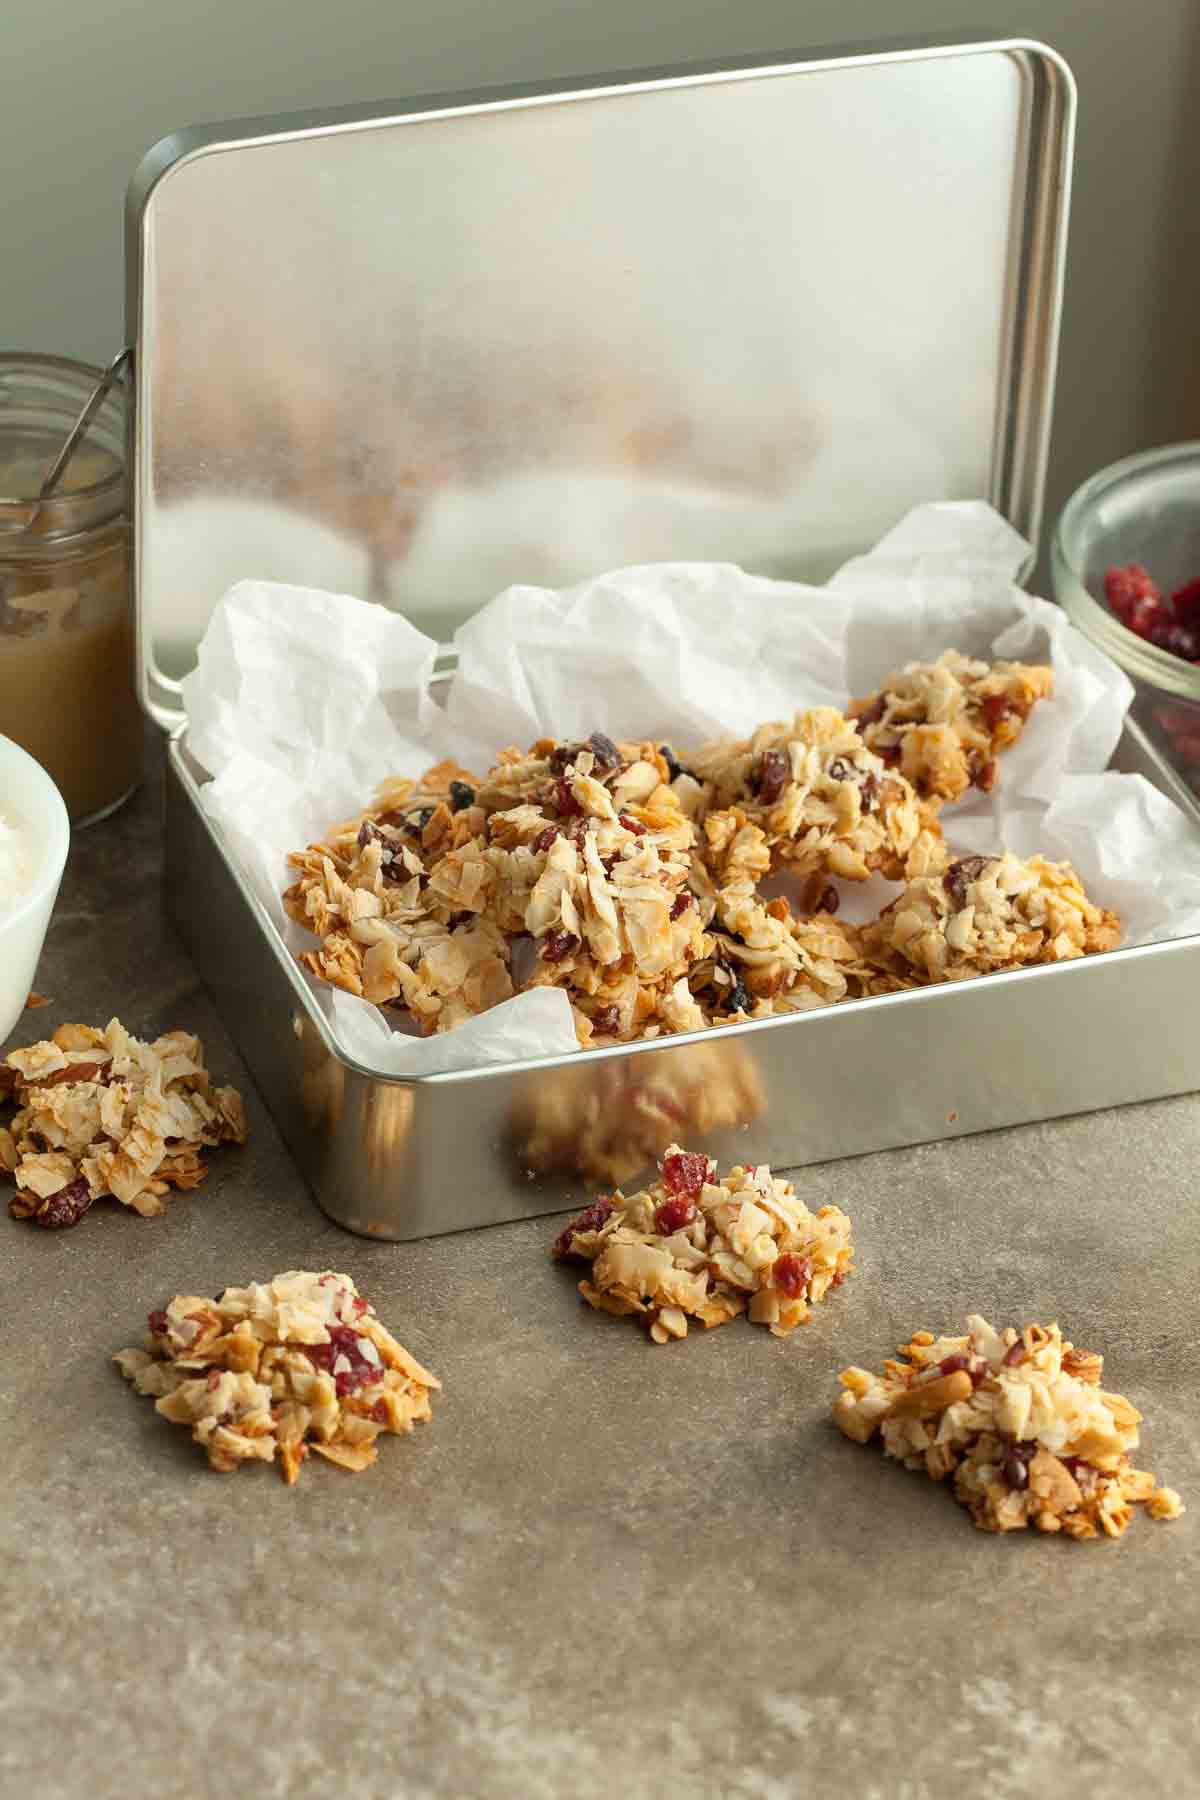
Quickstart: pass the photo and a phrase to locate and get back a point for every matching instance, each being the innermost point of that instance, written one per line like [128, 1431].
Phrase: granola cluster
[633, 881]
[1019, 1419]
[984, 913]
[278, 1368]
[943, 724]
[695, 1246]
[101, 1112]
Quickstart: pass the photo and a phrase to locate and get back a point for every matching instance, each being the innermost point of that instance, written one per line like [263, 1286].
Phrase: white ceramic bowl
[30, 799]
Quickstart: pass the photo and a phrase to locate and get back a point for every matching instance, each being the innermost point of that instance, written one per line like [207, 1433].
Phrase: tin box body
[746, 314]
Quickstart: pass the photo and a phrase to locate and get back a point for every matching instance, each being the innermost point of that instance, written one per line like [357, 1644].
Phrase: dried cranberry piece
[828, 900]
[1016, 1463]
[961, 874]
[157, 1321]
[1128, 588]
[674, 1213]
[791, 1273]
[379, 1412]
[889, 754]
[564, 799]
[631, 825]
[592, 1218]
[680, 904]
[558, 944]
[1180, 640]
[344, 1341]
[984, 776]
[544, 840]
[770, 776]
[66, 1207]
[606, 1020]
[1014, 1354]
[1186, 603]
[740, 998]
[604, 750]
[870, 791]
[994, 708]
[949, 1365]
[685, 1172]
[674, 767]
[358, 1306]
[461, 795]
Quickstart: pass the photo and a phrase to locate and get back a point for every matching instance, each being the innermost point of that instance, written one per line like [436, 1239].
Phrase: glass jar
[1145, 509]
[66, 612]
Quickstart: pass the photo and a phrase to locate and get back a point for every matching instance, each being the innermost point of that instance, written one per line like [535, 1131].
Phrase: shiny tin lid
[748, 313]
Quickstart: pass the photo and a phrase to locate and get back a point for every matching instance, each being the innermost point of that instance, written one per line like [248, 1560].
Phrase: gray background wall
[87, 85]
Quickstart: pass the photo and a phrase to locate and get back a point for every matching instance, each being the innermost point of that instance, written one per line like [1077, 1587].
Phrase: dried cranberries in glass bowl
[1126, 566]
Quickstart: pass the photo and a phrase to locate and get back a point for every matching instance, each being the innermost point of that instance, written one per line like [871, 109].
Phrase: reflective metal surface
[402, 1159]
[748, 314]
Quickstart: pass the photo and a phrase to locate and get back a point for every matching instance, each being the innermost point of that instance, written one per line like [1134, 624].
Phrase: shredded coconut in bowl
[18, 865]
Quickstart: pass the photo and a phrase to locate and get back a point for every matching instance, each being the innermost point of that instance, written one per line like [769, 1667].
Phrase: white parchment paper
[302, 702]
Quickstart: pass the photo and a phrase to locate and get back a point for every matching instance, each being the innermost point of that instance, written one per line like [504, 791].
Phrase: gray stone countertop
[604, 1567]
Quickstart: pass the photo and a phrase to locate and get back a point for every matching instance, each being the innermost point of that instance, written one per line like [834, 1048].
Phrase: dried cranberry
[1186, 603]
[345, 1341]
[680, 904]
[66, 1207]
[1014, 1354]
[685, 1172]
[546, 838]
[358, 1306]
[770, 776]
[994, 708]
[674, 1213]
[604, 750]
[961, 874]
[870, 791]
[558, 944]
[1126, 589]
[606, 1020]
[631, 825]
[461, 795]
[949, 1365]
[379, 1412]
[157, 1321]
[1017, 1459]
[564, 799]
[983, 776]
[1180, 640]
[888, 754]
[674, 767]
[791, 1273]
[592, 1218]
[740, 998]
[828, 900]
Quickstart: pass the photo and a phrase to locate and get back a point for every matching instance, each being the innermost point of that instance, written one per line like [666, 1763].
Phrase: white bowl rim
[52, 812]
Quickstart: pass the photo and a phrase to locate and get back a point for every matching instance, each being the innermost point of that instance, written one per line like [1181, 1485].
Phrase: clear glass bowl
[1145, 509]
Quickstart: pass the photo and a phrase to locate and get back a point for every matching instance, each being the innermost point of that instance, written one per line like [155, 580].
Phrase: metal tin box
[749, 314]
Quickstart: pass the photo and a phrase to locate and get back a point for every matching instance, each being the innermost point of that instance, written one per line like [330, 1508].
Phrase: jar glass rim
[79, 378]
